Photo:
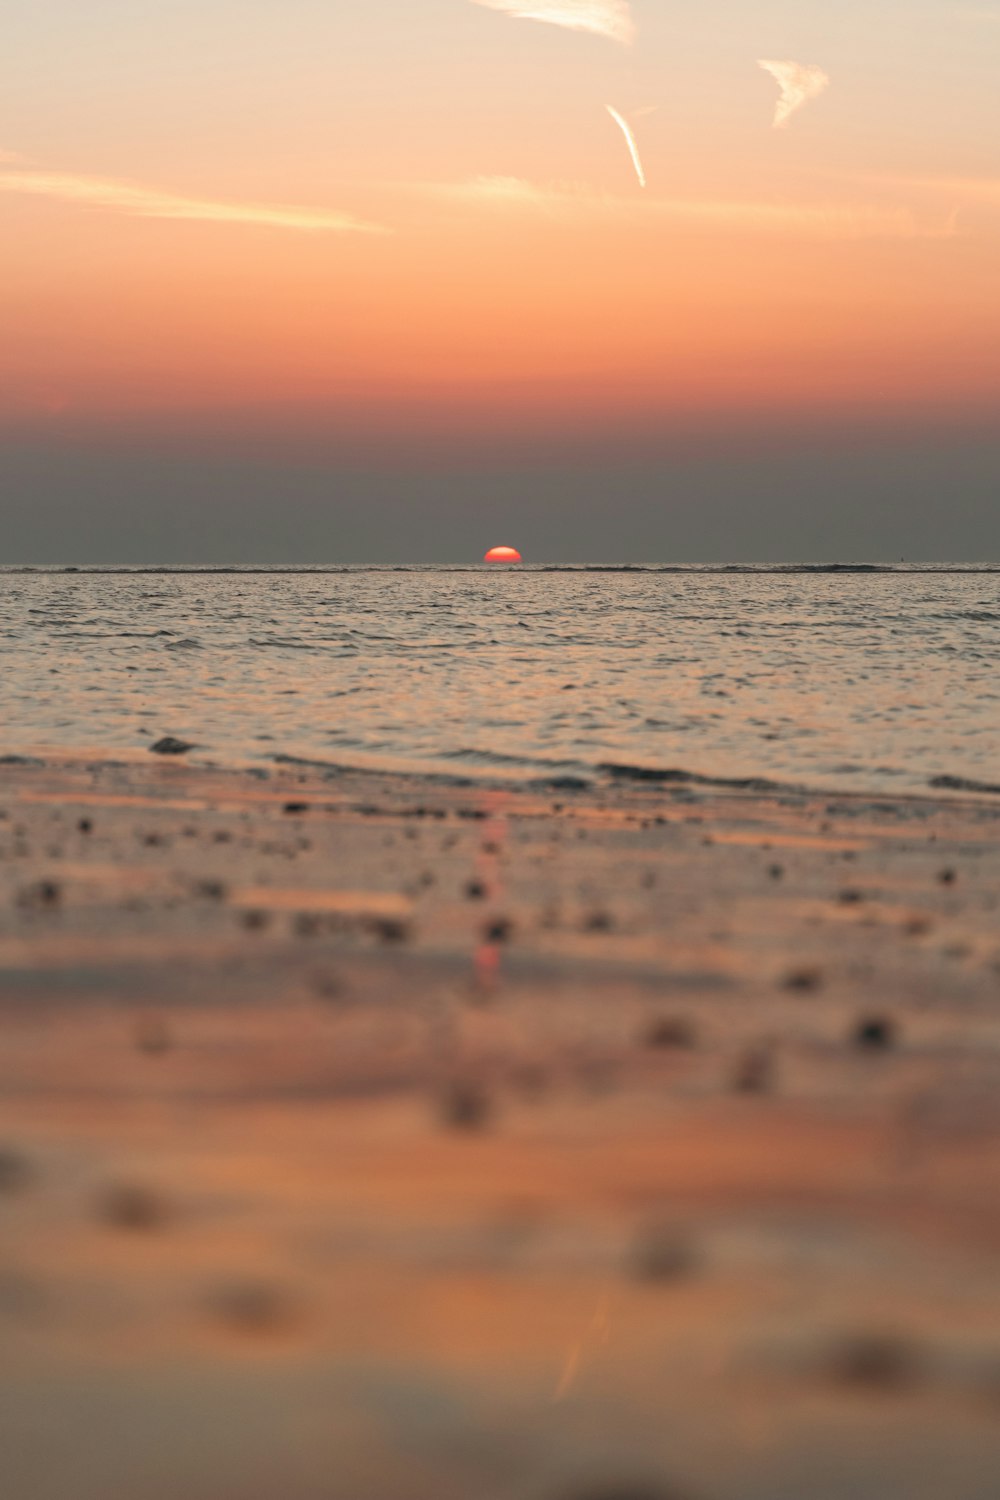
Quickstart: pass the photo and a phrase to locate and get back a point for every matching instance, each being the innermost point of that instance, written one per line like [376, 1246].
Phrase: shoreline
[578, 780]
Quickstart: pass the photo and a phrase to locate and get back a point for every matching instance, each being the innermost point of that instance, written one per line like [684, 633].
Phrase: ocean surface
[852, 679]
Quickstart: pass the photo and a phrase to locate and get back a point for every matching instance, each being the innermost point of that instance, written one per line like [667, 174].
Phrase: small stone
[475, 890]
[660, 1255]
[134, 1208]
[754, 1072]
[168, 745]
[15, 1171]
[947, 877]
[329, 987]
[598, 921]
[669, 1032]
[294, 808]
[255, 921]
[804, 979]
[210, 890]
[877, 1033]
[851, 896]
[498, 931]
[390, 929]
[465, 1106]
[85, 826]
[776, 872]
[874, 1362]
[152, 1036]
[625, 1490]
[45, 894]
[252, 1307]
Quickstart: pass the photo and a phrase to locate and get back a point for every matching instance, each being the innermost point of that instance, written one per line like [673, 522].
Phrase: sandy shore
[379, 1139]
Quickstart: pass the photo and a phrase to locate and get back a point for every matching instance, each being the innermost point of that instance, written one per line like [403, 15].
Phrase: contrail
[798, 82]
[630, 138]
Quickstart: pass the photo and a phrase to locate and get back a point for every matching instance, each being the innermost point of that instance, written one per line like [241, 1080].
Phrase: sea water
[849, 679]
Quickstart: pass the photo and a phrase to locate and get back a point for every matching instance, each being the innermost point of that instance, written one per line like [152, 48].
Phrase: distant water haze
[854, 680]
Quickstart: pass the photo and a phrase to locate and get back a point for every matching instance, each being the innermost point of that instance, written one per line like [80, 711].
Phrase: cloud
[151, 203]
[570, 201]
[798, 82]
[981, 189]
[626, 131]
[610, 18]
[509, 190]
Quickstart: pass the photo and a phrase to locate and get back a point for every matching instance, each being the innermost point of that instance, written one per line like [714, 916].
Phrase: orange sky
[422, 214]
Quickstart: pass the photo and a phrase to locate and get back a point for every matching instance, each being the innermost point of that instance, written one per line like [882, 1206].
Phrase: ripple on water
[843, 675]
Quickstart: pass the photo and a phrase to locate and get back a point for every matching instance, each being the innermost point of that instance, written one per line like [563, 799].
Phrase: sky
[387, 280]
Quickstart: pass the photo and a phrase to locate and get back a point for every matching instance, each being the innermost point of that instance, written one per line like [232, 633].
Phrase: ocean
[881, 679]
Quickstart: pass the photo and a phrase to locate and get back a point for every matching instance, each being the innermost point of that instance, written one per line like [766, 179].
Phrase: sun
[502, 555]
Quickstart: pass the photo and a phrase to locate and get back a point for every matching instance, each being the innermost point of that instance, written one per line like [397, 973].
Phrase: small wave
[672, 776]
[963, 784]
[498, 758]
[280, 644]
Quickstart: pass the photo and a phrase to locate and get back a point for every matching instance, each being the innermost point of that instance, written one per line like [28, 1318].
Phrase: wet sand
[380, 1139]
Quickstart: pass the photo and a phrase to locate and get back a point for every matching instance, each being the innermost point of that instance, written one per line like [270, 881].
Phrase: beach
[370, 1135]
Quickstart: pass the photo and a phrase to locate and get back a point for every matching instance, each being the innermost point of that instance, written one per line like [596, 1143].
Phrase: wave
[671, 776]
[963, 784]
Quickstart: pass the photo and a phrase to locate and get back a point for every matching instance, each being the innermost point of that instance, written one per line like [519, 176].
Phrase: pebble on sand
[874, 1361]
[465, 1106]
[168, 745]
[805, 979]
[252, 1307]
[15, 1171]
[660, 1255]
[625, 1490]
[152, 1036]
[44, 893]
[669, 1032]
[132, 1207]
[598, 921]
[754, 1071]
[876, 1033]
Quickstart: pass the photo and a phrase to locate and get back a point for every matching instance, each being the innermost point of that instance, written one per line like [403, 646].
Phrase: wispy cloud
[152, 203]
[626, 131]
[973, 189]
[610, 18]
[574, 201]
[512, 191]
[798, 82]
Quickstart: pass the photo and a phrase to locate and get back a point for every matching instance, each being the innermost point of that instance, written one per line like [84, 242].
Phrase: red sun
[502, 555]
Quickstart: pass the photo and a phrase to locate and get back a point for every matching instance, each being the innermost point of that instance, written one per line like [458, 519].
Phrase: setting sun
[502, 555]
